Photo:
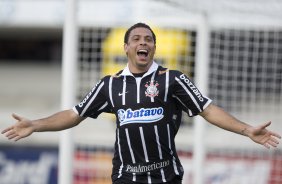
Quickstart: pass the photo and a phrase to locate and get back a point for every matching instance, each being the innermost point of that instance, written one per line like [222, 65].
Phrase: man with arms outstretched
[148, 101]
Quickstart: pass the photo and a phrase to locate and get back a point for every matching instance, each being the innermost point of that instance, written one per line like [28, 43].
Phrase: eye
[149, 39]
[135, 38]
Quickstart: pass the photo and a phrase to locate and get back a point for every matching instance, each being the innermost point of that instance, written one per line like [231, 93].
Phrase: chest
[139, 92]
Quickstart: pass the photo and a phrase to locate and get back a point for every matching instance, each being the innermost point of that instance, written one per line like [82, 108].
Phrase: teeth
[142, 50]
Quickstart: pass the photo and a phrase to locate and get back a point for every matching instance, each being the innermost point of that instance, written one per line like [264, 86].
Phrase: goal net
[244, 77]
[245, 70]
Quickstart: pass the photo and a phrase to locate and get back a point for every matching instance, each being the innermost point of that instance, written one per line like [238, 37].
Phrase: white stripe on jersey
[138, 82]
[189, 111]
[91, 100]
[168, 134]
[134, 177]
[163, 176]
[188, 92]
[160, 151]
[208, 103]
[123, 90]
[158, 142]
[129, 146]
[152, 81]
[166, 85]
[143, 144]
[120, 156]
[149, 178]
[110, 90]
[74, 109]
[145, 151]
[171, 152]
[131, 152]
[103, 106]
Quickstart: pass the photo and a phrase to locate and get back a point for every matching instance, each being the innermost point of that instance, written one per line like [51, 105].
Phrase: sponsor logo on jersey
[89, 94]
[120, 94]
[141, 168]
[143, 115]
[152, 89]
[192, 87]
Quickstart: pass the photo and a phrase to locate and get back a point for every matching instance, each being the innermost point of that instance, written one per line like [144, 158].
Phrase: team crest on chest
[152, 90]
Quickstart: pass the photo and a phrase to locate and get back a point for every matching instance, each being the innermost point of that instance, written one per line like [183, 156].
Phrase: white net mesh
[245, 70]
[245, 79]
[90, 57]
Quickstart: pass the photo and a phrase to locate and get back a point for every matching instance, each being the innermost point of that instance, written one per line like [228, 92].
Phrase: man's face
[140, 50]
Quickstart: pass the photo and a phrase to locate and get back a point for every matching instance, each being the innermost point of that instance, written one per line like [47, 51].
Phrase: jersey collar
[126, 71]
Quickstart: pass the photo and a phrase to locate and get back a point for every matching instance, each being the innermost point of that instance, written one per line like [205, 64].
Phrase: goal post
[68, 97]
[201, 80]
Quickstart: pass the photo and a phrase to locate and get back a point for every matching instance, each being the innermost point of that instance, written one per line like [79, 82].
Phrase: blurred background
[233, 48]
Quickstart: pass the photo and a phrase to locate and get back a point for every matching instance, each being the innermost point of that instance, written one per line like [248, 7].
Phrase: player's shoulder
[173, 73]
[177, 75]
[108, 77]
[161, 70]
[104, 80]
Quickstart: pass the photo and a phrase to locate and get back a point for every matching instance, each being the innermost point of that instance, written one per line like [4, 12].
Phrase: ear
[155, 48]
[125, 47]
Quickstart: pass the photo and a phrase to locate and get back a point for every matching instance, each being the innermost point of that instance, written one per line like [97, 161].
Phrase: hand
[263, 136]
[21, 129]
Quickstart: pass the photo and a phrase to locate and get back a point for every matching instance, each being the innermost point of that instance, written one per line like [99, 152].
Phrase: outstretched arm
[25, 127]
[222, 119]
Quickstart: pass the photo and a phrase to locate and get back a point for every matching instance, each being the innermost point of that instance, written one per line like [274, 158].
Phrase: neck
[138, 69]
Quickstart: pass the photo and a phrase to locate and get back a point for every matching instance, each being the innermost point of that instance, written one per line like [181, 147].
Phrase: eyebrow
[141, 35]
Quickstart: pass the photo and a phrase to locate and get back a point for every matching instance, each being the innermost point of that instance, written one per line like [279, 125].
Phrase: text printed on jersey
[143, 115]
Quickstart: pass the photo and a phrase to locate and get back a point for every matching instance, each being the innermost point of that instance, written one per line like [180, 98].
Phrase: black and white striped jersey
[148, 111]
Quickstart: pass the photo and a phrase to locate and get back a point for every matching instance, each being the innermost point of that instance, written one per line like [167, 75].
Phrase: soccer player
[148, 101]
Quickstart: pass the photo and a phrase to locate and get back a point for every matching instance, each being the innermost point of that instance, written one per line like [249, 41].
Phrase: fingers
[275, 135]
[271, 139]
[263, 126]
[11, 127]
[17, 117]
[15, 137]
[17, 131]
[11, 134]
[266, 145]
[6, 130]
[270, 142]
[273, 142]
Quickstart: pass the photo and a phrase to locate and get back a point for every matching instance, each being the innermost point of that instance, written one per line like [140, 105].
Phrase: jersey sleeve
[188, 95]
[94, 103]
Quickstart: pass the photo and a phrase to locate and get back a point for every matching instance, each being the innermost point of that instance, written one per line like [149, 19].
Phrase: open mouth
[142, 52]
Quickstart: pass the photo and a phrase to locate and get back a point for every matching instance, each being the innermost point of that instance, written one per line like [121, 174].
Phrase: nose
[142, 42]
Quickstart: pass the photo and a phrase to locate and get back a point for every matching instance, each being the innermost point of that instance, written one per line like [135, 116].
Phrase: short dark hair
[137, 25]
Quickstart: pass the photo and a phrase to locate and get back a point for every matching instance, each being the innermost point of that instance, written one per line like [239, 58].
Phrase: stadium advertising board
[28, 165]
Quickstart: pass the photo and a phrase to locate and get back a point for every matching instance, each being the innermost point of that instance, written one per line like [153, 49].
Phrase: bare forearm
[222, 119]
[259, 134]
[56, 122]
